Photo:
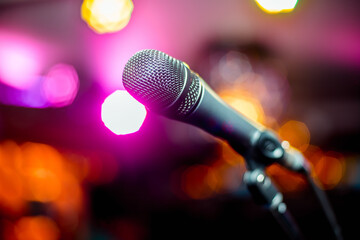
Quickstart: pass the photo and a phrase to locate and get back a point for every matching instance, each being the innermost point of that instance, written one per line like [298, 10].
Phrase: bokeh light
[19, 60]
[330, 170]
[42, 169]
[57, 89]
[257, 89]
[286, 181]
[30, 97]
[296, 133]
[223, 175]
[39, 173]
[34, 172]
[106, 16]
[276, 6]
[61, 85]
[328, 167]
[122, 114]
[36, 228]
[11, 183]
[245, 104]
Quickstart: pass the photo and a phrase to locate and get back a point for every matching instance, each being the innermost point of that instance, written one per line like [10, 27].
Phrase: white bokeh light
[122, 114]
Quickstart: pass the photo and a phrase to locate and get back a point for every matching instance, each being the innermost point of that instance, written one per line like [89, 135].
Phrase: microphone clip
[269, 150]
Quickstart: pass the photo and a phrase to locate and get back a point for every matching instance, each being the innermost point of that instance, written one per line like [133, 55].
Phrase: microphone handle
[216, 117]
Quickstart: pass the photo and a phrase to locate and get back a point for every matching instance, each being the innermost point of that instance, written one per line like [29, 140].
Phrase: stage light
[122, 114]
[106, 16]
[276, 6]
[60, 85]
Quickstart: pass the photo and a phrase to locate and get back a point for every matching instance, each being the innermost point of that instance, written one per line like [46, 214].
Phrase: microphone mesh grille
[154, 78]
[191, 97]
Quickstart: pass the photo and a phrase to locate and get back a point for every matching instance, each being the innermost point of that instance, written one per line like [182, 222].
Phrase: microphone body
[168, 87]
[216, 117]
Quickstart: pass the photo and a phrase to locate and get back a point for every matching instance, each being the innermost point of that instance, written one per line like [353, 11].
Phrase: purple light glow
[28, 97]
[57, 89]
[122, 114]
[19, 61]
[61, 85]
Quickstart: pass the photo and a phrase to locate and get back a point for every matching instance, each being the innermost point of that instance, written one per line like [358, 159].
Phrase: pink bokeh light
[122, 114]
[20, 60]
[61, 85]
[110, 56]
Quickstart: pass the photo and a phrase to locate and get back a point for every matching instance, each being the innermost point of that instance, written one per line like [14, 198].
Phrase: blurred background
[80, 159]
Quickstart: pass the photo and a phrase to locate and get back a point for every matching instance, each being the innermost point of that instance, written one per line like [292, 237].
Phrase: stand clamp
[266, 194]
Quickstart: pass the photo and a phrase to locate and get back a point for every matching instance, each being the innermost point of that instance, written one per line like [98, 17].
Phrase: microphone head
[162, 83]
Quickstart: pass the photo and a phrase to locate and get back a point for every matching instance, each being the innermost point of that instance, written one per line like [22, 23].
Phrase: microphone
[169, 87]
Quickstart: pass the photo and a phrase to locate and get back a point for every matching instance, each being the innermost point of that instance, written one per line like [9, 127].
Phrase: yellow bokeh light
[276, 6]
[106, 16]
[245, 104]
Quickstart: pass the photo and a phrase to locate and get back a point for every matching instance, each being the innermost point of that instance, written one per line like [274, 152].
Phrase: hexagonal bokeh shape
[106, 16]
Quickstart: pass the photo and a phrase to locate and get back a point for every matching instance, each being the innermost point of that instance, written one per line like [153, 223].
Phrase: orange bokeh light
[39, 172]
[42, 171]
[328, 167]
[11, 184]
[36, 228]
[224, 175]
[286, 181]
[296, 133]
[330, 171]
[230, 156]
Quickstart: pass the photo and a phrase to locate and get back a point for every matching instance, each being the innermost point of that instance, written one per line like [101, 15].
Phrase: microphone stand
[303, 168]
[266, 150]
[325, 205]
[260, 186]
[266, 194]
